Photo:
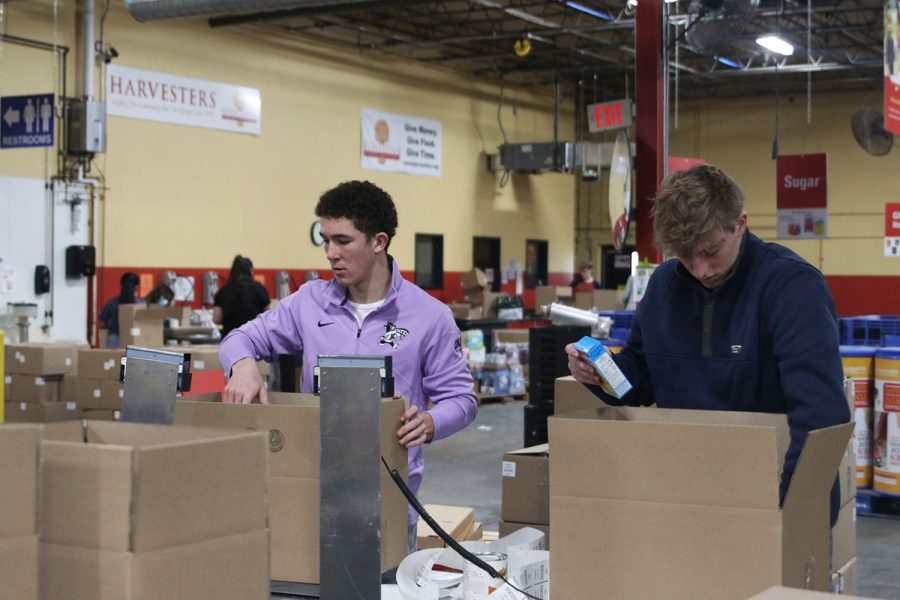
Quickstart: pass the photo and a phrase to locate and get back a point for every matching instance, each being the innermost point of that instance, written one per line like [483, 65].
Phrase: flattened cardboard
[292, 423]
[227, 568]
[648, 480]
[572, 396]
[19, 567]
[526, 486]
[42, 358]
[99, 363]
[19, 446]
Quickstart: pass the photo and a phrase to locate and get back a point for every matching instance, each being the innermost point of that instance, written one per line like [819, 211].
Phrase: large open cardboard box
[18, 519]
[655, 503]
[143, 512]
[292, 423]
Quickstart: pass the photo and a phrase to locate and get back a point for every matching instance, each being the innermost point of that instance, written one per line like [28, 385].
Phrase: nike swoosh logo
[321, 324]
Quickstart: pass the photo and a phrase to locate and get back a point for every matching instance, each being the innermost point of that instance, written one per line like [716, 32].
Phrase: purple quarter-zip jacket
[415, 329]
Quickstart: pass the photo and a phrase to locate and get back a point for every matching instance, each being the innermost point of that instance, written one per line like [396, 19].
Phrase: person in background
[109, 314]
[162, 295]
[732, 323]
[241, 299]
[366, 308]
[584, 281]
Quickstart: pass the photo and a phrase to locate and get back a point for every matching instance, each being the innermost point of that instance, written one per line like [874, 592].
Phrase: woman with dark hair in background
[241, 299]
[109, 315]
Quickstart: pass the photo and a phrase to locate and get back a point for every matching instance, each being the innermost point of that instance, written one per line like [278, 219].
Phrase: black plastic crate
[536, 423]
[547, 359]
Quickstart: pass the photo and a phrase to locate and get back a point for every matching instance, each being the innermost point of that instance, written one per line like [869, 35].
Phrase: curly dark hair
[369, 207]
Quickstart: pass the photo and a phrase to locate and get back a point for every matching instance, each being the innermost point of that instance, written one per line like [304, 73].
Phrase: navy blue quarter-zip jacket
[766, 340]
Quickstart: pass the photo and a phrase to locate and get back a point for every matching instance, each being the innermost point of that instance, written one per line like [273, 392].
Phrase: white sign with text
[154, 96]
[399, 143]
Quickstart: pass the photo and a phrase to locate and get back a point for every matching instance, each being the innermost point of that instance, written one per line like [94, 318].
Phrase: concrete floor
[465, 470]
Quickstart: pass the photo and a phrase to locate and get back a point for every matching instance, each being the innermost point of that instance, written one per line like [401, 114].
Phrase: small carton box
[141, 325]
[29, 412]
[111, 395]
[41, 358]
[144, 512]
[595, 354]
[292, 421]
[89, 392]
[203, 357]
[646, 480]
[526, 485]
[473, 281]
[97, 363]
[102, 414]
[37, 389]
[18, 520]
[67, 388]
[508, 527]
[455, 520]
[599, 300]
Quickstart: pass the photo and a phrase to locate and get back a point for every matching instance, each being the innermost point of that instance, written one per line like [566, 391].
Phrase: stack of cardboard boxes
[40, 382]
[526, 491]
[99, 393]
[292, 423]
[479, 303]
[95, 510]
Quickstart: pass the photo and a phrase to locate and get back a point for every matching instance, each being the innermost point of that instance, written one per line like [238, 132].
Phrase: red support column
[650, 85]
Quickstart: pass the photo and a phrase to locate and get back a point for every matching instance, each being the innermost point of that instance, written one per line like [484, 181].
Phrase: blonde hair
[692, 205]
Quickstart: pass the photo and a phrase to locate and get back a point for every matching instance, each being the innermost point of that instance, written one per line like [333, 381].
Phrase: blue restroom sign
[26, 121]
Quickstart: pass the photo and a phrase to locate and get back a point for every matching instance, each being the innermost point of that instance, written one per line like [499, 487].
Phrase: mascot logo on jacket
[392, 335]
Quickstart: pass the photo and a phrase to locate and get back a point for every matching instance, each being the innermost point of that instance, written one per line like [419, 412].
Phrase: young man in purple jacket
[367, 308]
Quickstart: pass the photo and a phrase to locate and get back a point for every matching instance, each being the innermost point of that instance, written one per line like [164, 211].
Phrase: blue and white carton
[595, 354]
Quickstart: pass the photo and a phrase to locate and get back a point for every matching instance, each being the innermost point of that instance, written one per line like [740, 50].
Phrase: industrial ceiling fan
[868, 129]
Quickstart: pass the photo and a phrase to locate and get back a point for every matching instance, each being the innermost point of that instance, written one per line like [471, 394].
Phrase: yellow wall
[188, 197]
[736, 135]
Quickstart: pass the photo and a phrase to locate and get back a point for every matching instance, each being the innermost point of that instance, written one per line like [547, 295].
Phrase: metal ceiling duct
[154, 10]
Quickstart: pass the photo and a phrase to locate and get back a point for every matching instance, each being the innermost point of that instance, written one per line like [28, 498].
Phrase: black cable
[448, 539]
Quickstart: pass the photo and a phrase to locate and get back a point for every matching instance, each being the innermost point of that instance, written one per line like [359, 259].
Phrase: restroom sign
[26, 121]
[801, 198]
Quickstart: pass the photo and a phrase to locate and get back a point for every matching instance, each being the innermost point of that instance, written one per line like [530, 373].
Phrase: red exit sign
[609, 115]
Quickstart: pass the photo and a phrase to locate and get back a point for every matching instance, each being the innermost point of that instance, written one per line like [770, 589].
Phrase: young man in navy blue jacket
[733, 323]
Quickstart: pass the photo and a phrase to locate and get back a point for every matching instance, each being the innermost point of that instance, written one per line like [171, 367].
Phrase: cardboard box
[58, 358]
[111, 395]
[843, 535]
[29, 412]
[783, 593]
[455, 520]
[599, 299]
[38, 389]
[140, 325]
[147, 511]
[465, 311]
[88, 393]
[101, 414]
[7, 388]
[847, 475]
[571, 396]
[292, 421]
[526, 485]
[846, 579]
[203, 357]
[68, 388]
[476, 532]
[18, 520]
[647, 480]
[508, 527]
[545, 295]
[99, 363]
[473, 281]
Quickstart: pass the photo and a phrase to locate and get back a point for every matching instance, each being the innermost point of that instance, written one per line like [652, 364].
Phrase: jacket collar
[738, 270]
[338, 294]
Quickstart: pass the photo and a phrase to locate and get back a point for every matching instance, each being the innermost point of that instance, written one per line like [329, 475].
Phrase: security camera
[110, 55]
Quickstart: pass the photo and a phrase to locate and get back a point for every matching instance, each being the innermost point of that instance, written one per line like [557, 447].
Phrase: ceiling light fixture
[775, 44]
[728, 62]
[589, 11]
